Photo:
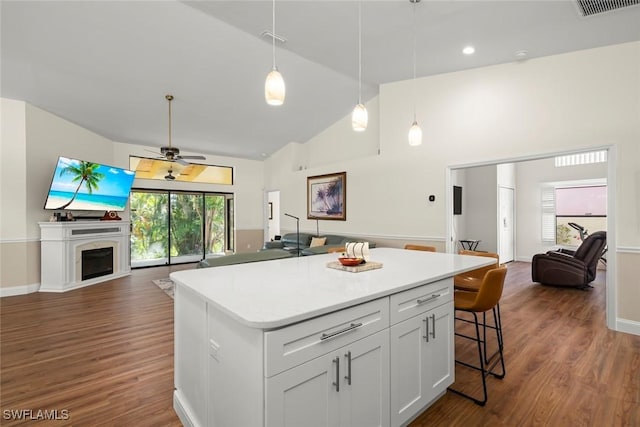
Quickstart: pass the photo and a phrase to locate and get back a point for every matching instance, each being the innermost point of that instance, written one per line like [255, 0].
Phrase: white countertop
[272, 294]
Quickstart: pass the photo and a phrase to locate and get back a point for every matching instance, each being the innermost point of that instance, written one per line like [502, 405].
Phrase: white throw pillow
[317, 241]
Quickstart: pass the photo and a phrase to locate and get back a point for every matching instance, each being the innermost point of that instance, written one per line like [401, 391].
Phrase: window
[548, 204]
[191, 172]
[173, 227]
[582, 158]
[567, 209]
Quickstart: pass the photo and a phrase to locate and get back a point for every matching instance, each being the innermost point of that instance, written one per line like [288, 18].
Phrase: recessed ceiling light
[468, 50]
[521, 54]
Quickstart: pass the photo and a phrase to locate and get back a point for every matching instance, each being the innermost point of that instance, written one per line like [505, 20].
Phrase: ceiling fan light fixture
[274, 89]
[359, 118]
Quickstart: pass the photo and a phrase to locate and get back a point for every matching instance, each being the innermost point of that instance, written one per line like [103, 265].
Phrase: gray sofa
[289, 242]
[264, 255]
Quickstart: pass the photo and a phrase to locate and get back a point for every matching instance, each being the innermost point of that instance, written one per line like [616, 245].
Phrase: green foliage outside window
[149, 234]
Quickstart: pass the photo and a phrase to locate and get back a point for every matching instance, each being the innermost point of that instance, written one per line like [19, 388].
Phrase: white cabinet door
[408, 374]
[347, 387]
[305, 395]
[364, 393]
[421, 361]
[439, 350]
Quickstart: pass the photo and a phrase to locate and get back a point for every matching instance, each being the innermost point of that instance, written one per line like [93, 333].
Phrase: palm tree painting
[83, 173]
[326, 196]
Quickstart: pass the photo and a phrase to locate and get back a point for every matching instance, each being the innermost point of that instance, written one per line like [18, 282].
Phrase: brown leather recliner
[564, 268]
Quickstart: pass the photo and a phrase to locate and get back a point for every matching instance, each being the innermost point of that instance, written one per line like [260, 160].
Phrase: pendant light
[359, 117]
[274, 90]
[415, 133]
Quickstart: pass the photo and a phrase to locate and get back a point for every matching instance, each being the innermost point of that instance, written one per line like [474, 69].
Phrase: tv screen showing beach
[81, 185]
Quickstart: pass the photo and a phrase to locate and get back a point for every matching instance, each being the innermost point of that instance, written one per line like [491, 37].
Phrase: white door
[506, 229]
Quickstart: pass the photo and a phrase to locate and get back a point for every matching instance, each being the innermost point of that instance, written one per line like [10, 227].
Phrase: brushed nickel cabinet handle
[433, 318]
[337, 381]
[348, 376]
[431, 298]
[341, 331]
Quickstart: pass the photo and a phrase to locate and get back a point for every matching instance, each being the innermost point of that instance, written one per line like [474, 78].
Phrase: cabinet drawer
[296, 344]
[412, 302]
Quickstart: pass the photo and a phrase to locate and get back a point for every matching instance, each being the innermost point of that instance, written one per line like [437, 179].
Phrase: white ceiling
[106, 65]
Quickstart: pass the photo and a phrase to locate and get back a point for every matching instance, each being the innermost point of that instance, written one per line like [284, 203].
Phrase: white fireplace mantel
[62, 244]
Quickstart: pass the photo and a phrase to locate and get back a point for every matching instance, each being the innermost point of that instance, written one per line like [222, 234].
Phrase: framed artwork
[327, 196]
[270, 210]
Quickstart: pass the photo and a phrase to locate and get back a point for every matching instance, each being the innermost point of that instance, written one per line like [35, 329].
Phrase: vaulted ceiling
[107, 65]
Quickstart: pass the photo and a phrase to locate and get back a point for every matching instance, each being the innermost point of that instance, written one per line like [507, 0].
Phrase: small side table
[470, 245]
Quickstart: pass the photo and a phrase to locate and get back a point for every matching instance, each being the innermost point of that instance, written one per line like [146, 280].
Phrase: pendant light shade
[359, 118]
[415, 134]
[274, 90]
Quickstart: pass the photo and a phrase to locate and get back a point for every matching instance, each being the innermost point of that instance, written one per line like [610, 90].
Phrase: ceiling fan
[172, 154]
[169, 177]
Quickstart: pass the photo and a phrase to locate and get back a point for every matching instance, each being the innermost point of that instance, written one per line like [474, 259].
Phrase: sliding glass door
[149, 228]
[174, 227]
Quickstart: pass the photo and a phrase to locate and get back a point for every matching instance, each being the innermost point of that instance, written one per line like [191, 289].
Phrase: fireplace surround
[103, 245]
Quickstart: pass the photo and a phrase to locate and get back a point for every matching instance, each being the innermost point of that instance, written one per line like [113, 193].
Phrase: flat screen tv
[457, 200]
[81, 185]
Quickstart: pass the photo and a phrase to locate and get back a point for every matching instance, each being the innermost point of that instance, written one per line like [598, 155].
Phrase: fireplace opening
[97, 262]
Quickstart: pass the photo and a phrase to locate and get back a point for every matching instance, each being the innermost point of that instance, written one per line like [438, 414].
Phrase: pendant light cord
[360, 52]
[273, 30]
[414, 60]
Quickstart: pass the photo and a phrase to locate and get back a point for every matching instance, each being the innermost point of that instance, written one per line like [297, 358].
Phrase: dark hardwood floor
[105, 355]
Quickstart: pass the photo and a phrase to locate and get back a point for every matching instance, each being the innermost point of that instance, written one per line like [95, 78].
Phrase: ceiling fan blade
[194, 157]
[157, 153]
[180, 160]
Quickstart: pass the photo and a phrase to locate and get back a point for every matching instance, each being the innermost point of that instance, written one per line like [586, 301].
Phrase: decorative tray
[369, 265]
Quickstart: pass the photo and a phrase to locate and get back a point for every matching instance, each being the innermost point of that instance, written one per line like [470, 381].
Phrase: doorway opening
[528, 231]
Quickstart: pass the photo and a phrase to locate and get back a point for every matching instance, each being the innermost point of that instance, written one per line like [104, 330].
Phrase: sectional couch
[289, 242]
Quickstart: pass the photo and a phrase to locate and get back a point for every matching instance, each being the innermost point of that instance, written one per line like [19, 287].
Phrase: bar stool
[470, 281]
[482, 301]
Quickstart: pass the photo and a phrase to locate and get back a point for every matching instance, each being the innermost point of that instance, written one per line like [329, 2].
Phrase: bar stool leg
[486, 363]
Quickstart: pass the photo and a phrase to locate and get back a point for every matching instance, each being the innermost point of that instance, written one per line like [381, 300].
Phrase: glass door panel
[149, 228]
[214, 226]
[186, 227]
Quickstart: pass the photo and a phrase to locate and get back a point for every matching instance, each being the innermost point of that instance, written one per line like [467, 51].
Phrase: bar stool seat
[484, 300]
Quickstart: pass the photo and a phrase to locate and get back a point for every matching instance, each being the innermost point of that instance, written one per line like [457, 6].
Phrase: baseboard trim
[628, 326]
[19, 290]
[628, 249]
[181, 411]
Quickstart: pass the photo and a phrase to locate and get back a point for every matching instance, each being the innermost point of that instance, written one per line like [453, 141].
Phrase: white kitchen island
[293, 343]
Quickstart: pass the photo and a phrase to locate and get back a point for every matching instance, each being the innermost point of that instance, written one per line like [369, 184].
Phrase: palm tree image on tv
[83, 185]
[84, 173]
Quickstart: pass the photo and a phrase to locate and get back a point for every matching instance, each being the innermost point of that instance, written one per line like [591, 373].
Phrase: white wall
[543, 106]
[530, 176]
[482, 207]
[13, 155]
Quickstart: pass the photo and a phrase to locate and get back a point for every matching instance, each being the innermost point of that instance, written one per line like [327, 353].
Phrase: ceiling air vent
[594, 7]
